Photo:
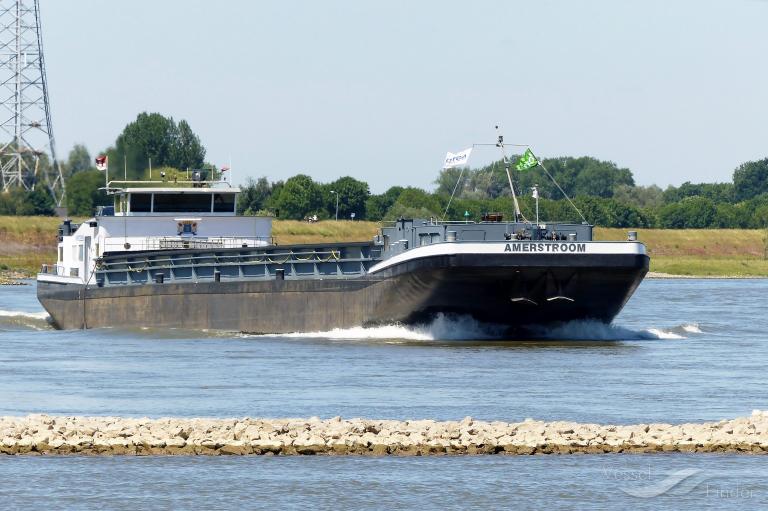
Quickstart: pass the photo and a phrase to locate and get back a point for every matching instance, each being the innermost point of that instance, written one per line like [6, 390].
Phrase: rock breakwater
[43, 434]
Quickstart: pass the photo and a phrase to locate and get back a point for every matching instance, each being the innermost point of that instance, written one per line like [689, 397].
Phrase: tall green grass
[295, 231]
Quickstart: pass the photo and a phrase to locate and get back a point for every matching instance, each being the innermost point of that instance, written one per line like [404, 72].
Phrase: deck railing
[53, 269]
[118, 244]
[249, 263]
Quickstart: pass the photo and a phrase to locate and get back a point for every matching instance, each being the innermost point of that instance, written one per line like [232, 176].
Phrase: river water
[682, 350]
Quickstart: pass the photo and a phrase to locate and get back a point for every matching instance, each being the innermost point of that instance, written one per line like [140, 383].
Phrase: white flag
[457, 159]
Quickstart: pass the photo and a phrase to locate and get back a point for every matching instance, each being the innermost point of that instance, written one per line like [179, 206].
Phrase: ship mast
[519, 217]
[500, 145]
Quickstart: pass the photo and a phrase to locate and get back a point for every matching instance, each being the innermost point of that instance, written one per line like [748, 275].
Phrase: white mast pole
[500, 144]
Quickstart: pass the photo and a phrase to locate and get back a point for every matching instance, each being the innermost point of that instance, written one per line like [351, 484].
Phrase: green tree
[376, 206]
[40, 202]
[11, 201]
[626, 215]
[760, 217]
[254, 196]
[186, 149]
[639, 196]
[751, 179]
[731, 216]
[79, 159]
[577, 176]
[415, 203]
[299, 196]
[756, 210]
[690, 213]
[446, 180]
[159, 138]
[26, 202]
[585, 176]
[273, 199]
[352, 196]
[486, 182]
[716, 192]
[83, 194]
[610, 213]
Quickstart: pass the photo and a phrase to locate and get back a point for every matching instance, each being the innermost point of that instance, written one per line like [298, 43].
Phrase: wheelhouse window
[141, 203]
[182, 203]
[223, 202]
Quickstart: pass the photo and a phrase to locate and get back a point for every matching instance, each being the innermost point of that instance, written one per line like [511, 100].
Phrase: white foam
[692, 328]
[443, 327]
[453, 327]
[379, 332]
[664, 334]
[24, 319]
[591, 330]
[595, 330]
[23, 314]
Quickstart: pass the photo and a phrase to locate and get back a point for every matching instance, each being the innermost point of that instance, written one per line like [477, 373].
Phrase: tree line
[603, 192]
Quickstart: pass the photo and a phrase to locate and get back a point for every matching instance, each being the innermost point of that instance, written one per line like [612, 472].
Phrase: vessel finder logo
[687, 481]
[682, 481]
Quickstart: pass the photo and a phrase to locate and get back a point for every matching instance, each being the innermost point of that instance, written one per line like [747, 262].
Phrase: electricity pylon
[27, 148]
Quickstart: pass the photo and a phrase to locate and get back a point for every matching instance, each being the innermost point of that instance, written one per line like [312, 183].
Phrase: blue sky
[675, 90]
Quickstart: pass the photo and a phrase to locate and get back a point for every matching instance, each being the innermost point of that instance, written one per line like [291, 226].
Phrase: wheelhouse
[165, 201]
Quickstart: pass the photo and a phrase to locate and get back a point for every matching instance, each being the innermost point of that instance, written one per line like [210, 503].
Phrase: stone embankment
[42, 434]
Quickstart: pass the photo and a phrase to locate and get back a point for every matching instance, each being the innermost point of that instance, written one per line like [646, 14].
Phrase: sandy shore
[50, 435]
[12, 278]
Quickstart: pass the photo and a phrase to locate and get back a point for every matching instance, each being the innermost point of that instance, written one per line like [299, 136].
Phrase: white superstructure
[150, 219]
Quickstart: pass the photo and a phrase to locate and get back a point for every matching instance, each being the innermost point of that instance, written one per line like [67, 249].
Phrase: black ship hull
[513, 290]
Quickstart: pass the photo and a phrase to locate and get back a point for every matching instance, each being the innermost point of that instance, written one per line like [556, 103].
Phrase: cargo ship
[181, 257]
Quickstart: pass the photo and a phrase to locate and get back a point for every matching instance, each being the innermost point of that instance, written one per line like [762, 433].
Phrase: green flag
[527, 161]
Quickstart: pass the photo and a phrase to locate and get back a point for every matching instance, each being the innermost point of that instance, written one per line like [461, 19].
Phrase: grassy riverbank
[28, 242]
[703, 252]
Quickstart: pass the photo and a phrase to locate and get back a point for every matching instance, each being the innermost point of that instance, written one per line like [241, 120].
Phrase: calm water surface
[685, 350]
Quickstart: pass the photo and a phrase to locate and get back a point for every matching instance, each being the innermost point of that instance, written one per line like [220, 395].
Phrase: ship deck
[179, 265]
